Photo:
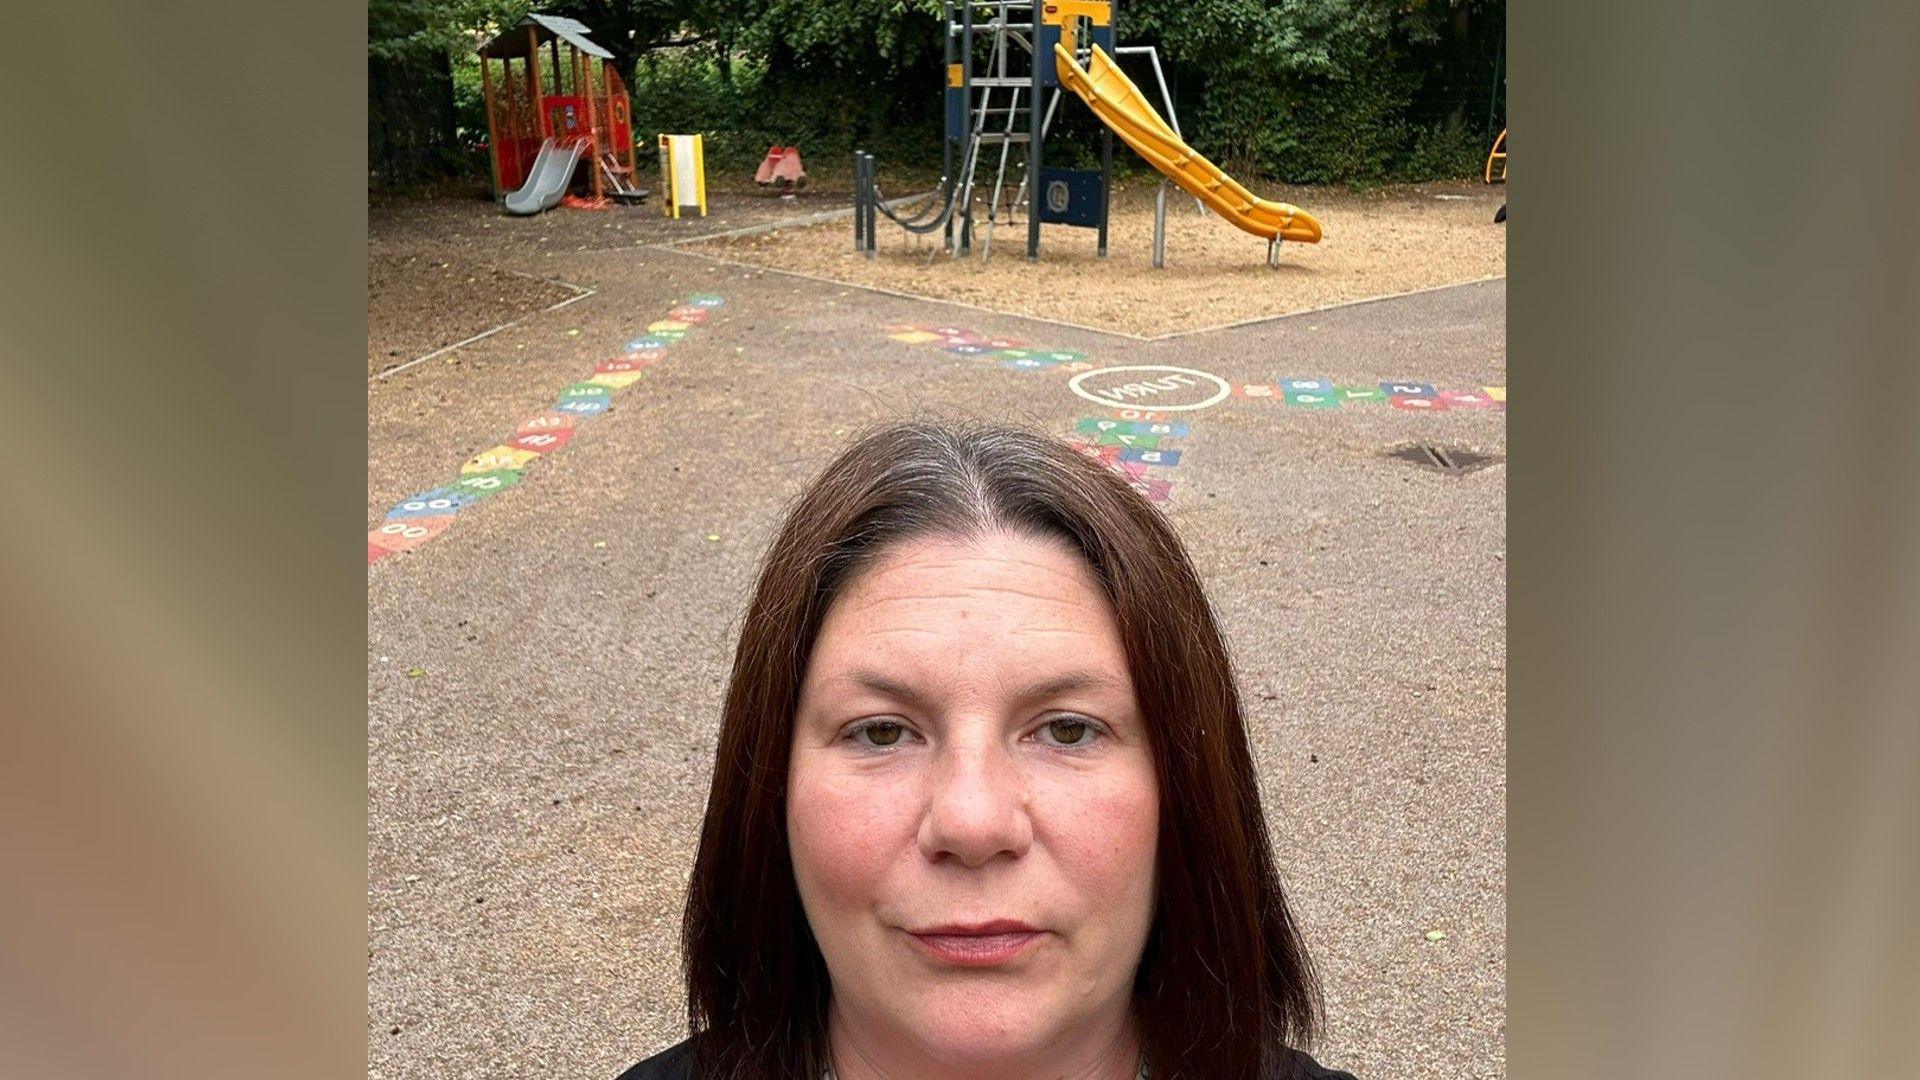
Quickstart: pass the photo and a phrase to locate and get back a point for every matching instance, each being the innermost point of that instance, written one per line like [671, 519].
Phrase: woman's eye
[1070, 731]
[880, 733]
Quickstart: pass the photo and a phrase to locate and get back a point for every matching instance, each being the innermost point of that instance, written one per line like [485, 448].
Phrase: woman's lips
[976, 950]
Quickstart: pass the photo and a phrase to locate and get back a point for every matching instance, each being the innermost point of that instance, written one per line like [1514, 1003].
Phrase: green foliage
[417, 29]
[1317, 91]
[751, 108]
[1348, 91]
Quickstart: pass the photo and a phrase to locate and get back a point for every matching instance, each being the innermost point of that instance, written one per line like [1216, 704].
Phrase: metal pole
[946, 140]
[966, 129]
[873, 213]
[1106, 133]
[1160, 226]
[1036, 133]
[859, 206]
[1106, 183]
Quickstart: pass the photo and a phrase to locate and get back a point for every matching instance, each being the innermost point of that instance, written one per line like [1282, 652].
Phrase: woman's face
[972, 808]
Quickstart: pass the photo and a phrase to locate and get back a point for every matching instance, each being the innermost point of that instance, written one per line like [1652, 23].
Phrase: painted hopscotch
[419, 518]
[1409, 395]
[1129, 446]
[1009, 352]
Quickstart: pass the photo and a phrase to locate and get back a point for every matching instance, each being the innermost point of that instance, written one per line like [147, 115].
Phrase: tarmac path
[545, 675]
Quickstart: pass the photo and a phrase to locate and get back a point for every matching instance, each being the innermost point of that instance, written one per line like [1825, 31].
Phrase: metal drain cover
[1441, 458]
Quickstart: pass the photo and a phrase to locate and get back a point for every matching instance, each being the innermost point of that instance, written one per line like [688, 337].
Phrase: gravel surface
[1389, 241]
[544, 678]
[419, 303]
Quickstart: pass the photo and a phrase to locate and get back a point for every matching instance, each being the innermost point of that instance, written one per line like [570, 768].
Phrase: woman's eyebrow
[1064, 683]
[1071, 681]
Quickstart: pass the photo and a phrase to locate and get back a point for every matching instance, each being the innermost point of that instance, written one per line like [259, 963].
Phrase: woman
[983, 805]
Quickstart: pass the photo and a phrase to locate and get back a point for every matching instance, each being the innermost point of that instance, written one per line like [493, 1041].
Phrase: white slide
[547, 180]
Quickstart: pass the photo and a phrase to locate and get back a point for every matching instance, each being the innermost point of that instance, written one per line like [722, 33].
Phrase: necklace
[1146, 1073]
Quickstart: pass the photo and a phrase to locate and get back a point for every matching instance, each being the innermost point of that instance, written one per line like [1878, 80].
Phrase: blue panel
[1071, 197]
[1049, 37]
[956, 111]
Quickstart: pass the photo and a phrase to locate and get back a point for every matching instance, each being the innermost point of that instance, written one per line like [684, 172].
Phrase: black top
[676, 1063]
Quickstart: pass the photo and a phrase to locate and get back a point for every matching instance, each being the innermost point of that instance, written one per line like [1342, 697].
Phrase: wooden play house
[544, 78]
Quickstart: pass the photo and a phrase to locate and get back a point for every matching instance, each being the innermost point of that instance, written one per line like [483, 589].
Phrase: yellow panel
[700, 171]
[1057, 12]
[618, 380]
[1497, 393]
[956, 75]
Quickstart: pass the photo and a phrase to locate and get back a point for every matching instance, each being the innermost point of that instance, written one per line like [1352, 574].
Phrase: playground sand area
[1379, 243]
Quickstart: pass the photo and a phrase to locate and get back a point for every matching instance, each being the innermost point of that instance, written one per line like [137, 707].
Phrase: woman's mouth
[981, 945]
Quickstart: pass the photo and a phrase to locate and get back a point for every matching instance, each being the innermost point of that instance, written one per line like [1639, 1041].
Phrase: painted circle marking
[1223, 388]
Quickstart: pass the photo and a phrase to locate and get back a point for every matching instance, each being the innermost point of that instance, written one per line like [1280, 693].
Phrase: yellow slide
[1121, 106]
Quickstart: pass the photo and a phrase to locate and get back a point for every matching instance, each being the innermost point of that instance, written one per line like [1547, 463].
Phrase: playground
[1391, 241]
[584, 424]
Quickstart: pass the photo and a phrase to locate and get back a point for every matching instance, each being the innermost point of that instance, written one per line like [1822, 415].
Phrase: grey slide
[547, 180]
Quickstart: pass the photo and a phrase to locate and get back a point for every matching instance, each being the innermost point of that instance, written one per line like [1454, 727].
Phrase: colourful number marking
[614, 367]
[1315, 400]
[542, 442]
[1394, 389]
[1169, 458]
[500, 458]
[409, 534]
[480, 485]
[1154, 490]
[1351, 394]
[1122, 438]
[546, 421]
[436, 503]
[1467, 399]
[614, 380]
[1417, 404]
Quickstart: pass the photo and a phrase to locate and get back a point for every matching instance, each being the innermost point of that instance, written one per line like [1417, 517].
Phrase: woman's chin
[982, 1027]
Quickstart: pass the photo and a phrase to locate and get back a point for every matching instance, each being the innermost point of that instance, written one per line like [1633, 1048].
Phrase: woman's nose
[976, 807]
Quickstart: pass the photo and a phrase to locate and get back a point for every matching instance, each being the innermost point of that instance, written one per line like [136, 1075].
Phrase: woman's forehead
[999, 605]
[1003, 576]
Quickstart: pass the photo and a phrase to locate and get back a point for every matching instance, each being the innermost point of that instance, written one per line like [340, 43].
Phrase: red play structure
[574, 98]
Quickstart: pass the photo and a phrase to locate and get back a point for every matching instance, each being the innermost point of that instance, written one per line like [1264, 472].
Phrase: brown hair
[1224, 985]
